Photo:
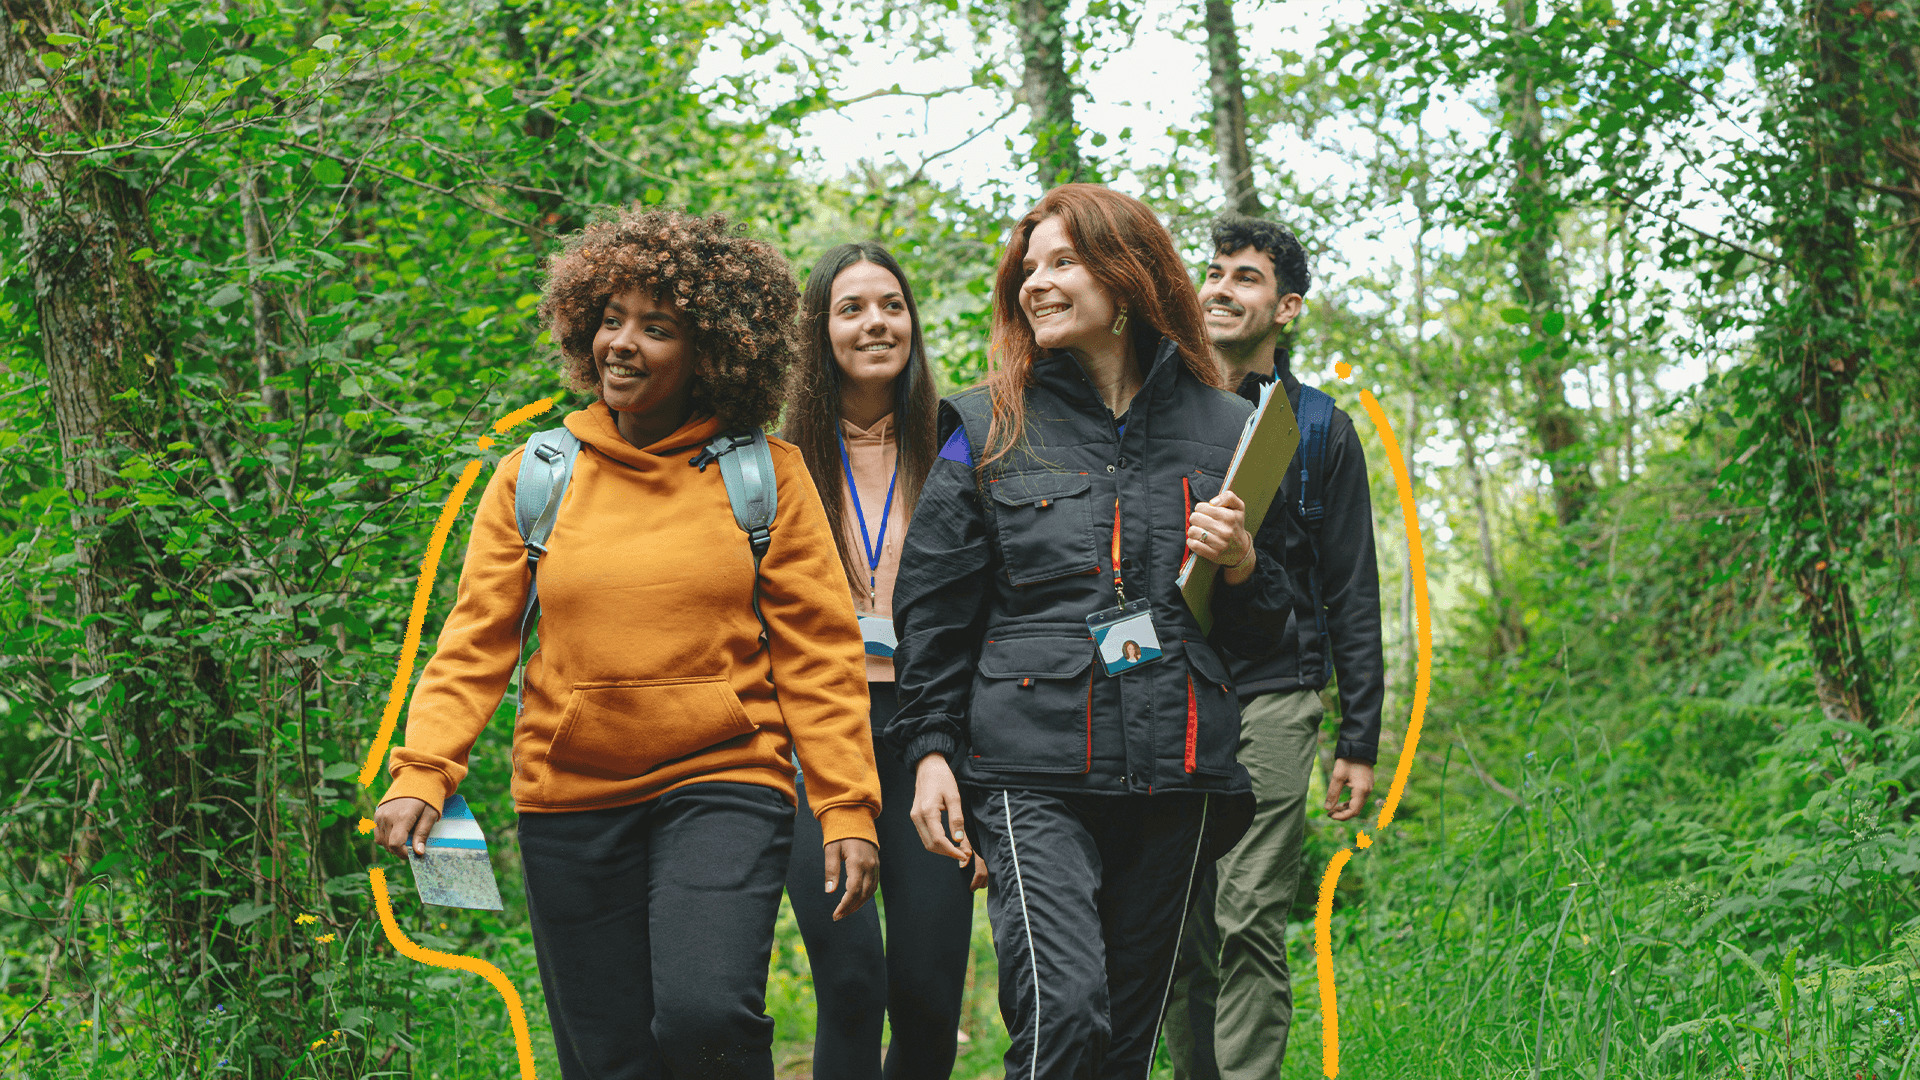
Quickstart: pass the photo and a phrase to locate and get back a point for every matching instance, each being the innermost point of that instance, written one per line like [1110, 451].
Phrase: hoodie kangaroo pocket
[621, 730]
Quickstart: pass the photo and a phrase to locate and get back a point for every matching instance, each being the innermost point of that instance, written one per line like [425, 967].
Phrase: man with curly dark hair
[653, 755]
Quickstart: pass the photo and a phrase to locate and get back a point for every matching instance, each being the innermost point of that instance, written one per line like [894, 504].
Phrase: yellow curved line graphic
[522, 1038]
[417, 618]
[1422, 683]
[520, 416]
[396, 696]
[1323, 943]
[1423, 626]
[423, 590]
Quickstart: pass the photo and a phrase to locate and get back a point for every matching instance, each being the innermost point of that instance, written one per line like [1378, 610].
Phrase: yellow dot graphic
[366, 826]
[1363, 841]
[484, 441]
[1343, 369]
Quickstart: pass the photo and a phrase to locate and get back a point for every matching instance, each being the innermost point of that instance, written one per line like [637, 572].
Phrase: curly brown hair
[735, 297]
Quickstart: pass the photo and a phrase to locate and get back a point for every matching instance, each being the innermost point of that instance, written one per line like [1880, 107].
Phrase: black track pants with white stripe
[1087, 894]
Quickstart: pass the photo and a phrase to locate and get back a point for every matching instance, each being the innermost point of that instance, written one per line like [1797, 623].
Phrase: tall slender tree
[1048, 90]
[1821, 345]
[1234, 158]
[1535, 216]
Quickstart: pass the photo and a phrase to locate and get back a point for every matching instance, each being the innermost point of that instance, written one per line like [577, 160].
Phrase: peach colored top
[872, 452]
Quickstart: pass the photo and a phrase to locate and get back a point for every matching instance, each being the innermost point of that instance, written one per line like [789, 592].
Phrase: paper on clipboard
[1259, 464]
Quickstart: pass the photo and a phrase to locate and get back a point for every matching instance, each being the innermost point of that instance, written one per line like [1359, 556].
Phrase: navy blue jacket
[1301, 657]
[995, 665]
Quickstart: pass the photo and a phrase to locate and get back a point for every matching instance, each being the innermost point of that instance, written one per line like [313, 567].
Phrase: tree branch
[1704, 234]
[450, 193]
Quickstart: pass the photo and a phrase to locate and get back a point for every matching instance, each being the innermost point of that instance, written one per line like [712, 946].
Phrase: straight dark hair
[813, 398]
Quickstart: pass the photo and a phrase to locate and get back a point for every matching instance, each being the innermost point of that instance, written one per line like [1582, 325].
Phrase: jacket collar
[594, 426]
[1252, 383]
[1060, 373]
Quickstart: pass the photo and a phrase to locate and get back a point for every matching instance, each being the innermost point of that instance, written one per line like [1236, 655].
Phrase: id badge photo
[877, 633]
[1124, 636]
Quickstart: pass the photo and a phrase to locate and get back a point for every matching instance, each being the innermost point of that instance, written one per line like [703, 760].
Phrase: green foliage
[1644, 835]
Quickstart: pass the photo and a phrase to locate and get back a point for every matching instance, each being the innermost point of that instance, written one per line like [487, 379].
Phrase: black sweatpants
[1087, 894]
[653, 925]
[917, 981]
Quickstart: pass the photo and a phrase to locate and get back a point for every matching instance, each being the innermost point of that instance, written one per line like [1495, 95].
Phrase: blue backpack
[1313, 411]
[547, 464]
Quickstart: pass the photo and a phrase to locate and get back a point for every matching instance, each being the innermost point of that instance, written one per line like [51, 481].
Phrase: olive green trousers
[1232, 997]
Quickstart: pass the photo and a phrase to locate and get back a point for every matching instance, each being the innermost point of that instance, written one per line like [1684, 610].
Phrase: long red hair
[1131, 255]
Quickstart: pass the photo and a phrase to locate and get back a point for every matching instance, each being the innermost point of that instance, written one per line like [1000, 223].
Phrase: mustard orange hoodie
[650, 674]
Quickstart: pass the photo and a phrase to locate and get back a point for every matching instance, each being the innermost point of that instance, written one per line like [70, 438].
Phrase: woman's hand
[1217, 532]
[935, 792]
[398, 821]
[861, 861]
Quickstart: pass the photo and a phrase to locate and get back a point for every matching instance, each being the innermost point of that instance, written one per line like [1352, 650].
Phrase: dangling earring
[1120, 322]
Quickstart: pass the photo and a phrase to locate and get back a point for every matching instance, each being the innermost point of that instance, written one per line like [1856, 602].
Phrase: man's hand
[1357, 777]
[937, 793]
[398, 822]
[1217, 532]
[979, 874]
[861, 861]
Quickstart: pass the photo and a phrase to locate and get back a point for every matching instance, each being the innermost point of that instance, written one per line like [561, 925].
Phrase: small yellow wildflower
[86, 1023]
[324, 938]
[302, 920]
[317, 1044]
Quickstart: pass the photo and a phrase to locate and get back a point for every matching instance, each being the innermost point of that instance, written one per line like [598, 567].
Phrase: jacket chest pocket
[1201, 486]
[1045, 526]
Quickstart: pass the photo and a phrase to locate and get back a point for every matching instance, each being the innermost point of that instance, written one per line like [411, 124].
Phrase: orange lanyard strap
[1119, 586]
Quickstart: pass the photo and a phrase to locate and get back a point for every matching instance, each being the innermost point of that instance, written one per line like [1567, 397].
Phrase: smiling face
[868, 325]
[1066, 307]
[645, 365]
[1241, 301]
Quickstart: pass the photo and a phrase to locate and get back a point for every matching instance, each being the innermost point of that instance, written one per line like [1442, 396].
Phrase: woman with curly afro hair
[653, 756]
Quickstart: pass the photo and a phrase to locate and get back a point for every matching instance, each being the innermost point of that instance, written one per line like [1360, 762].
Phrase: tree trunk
[1504, 639]
[1410, 438]
[113, 396]
[1235, 160]
[1535, 217]
[253, 225]
[1823, 348]
[80, 225]
[1041, 27]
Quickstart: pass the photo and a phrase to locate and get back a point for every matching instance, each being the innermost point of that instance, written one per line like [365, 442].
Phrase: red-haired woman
[1066, 494]
[862, 410]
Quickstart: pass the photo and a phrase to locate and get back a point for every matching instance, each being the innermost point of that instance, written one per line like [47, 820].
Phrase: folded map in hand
[455, 872]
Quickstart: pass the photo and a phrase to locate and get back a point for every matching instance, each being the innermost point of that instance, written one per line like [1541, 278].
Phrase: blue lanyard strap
[874, 545]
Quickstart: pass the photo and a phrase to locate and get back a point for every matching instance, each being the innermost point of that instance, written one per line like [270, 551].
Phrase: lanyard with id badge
[876, 631]
[1123, 635]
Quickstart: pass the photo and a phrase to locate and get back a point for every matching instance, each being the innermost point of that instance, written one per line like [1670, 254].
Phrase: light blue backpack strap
[545, 466]
[746, 465]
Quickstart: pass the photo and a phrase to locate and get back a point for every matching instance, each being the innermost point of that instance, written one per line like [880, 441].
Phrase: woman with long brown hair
[1095, 778]
[862, 410]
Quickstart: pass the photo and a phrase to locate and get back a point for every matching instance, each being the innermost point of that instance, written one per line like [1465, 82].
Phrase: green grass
[1686, 889]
